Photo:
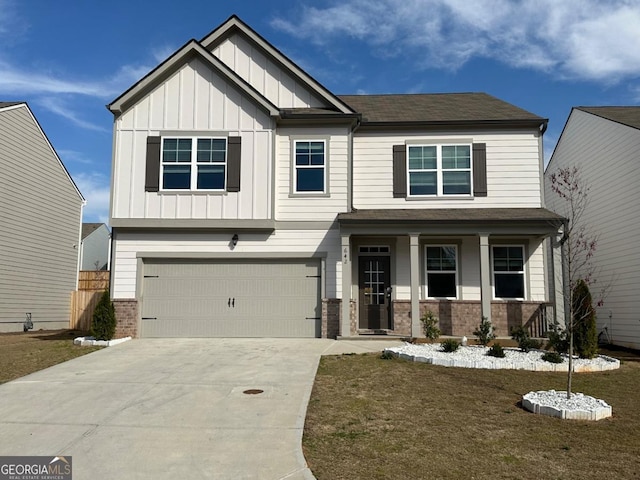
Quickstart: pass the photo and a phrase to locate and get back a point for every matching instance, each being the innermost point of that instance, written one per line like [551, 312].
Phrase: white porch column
[345, 324]
[485, 276]
[414, 250]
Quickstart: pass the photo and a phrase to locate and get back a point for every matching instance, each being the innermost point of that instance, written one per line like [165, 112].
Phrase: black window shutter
[399, 171]
[480, 169]
[233, 164]
[152, 173]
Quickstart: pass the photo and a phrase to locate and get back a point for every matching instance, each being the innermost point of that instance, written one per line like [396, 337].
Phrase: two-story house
[248, 200]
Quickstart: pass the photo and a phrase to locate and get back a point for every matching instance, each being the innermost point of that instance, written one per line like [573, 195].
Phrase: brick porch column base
[126, 317]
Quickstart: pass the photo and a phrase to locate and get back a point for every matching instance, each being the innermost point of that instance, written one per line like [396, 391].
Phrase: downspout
[79, 259]
[355, 126]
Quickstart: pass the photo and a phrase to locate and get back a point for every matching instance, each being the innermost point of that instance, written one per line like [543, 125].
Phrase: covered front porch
[461, 264]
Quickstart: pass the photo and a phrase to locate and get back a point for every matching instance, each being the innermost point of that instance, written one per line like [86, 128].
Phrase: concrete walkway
[174, 408]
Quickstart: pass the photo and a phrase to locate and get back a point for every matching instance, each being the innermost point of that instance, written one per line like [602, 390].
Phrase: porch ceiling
[505, 221]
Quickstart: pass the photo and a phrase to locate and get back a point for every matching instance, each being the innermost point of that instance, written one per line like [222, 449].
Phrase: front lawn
[25, 353]
[370, 418]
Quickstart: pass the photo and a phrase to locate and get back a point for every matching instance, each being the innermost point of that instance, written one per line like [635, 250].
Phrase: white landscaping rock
[556, 404]
[92, 342]
[476, 357]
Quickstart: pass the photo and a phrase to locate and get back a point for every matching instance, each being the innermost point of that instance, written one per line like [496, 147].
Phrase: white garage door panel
[202, 298]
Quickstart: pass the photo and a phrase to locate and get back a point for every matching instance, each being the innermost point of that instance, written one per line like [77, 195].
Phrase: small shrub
[552, 357]
[585, 332]
[386, 355]
[103, 325]
[496, 350]
[429, 325]
[558, 339]
[450, 345]
[525, 342]
[484, 332]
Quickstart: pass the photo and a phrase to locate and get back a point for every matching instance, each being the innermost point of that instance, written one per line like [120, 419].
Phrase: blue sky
[69, 58]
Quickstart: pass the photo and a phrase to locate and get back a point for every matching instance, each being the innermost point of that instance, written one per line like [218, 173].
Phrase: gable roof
[172, 64]
[629, 116]
[439, 109]
[4, 106]
[89, 228]
[234, 25]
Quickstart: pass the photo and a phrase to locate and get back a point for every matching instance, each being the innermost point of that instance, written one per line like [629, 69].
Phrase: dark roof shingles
[628, 115]
[441, 107]
[89, 228]
[451, 215]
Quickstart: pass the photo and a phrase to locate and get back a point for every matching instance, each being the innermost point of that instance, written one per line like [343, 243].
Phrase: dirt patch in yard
[25, 353]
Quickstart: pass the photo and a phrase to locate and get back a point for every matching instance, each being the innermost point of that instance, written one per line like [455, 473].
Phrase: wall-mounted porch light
[234, 239]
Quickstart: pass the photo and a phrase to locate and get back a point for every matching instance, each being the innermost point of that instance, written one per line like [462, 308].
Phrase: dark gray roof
[9, 104]
[629, 116]
[451, 215]
[89, 228]
[437, 108]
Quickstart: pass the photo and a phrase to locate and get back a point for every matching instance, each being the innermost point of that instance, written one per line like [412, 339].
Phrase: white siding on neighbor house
[513, 170]
[468, 266]
[95, 249]
[291, 206]
[268, 78]
[606, 154]
[40, 212]
[282, 242]
[194, 99]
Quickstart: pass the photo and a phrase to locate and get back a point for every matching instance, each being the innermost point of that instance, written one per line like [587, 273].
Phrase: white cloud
[59, 107]
[95, 189]
[588, 39]
[73, 156]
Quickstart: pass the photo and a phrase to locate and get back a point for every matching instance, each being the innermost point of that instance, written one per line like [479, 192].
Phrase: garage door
[201, 298]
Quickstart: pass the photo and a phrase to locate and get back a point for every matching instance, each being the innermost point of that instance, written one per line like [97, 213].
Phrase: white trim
[193, 164]
[523, 272]
[294, 167]
[439, 170]
[455, 272]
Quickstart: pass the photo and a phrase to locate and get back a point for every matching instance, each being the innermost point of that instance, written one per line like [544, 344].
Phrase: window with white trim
[309, 166]
[508, 271]
[441, 271]
[439, 170]
[190, 163]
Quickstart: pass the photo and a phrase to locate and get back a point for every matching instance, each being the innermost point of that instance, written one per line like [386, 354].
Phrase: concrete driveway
[172, 408]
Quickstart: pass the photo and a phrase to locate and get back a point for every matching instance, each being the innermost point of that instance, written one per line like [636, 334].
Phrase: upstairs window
[194, 163]
[441, 263]
[310, 166]
[508, 271]
[439, 170]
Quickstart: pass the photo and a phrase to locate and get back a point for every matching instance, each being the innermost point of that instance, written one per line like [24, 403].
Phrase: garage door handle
[233, 303]
[229, 302]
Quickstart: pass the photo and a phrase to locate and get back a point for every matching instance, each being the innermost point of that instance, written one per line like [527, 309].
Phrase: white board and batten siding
[193, 100]
[267, 77]
[40, 218]
[606, 154]
[513, 170]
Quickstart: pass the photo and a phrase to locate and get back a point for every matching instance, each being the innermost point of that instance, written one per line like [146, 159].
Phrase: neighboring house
[603, 143]
[96, 240]
[40, 218]
[248, 200]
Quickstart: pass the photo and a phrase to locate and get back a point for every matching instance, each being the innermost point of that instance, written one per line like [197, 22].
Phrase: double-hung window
[508, 271]
[194, 163]
[310, 166]
[439, 170]
[442, 271]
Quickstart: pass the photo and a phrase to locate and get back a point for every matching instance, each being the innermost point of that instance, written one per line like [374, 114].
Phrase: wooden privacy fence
[91, 284]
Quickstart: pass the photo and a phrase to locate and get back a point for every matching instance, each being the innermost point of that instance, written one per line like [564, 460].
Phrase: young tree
[578, 248]
[103, 326]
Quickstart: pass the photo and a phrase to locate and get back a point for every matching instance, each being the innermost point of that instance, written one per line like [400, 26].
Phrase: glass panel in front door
[374, 282]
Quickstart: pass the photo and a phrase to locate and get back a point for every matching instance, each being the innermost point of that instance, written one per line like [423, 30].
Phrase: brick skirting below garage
[456, 318]
[126, 317]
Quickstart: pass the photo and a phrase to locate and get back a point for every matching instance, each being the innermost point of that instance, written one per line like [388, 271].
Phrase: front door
[374, 279]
